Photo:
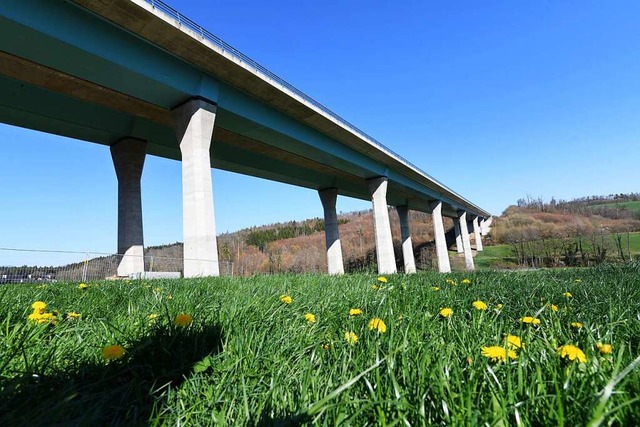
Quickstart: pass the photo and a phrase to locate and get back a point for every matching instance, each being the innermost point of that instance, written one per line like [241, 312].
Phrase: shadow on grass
[116, 393]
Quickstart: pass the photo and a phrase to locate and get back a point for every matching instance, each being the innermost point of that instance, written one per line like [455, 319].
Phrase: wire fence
[75, 266]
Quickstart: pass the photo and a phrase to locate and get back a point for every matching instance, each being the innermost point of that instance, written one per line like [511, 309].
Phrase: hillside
[581, 232]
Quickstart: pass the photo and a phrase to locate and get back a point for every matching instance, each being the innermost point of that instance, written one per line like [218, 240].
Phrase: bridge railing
[182, 20]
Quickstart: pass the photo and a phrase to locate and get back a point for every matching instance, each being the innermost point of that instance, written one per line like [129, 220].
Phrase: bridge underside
[48, 100]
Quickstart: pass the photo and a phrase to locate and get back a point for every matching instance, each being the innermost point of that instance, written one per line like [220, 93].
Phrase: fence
[75, 266]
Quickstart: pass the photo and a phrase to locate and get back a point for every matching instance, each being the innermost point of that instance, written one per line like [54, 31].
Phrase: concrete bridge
[137, 76]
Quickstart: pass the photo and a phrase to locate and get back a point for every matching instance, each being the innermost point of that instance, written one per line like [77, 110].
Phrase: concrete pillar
[407, 245]
[128, 159]
[466, 244]
[193, 124]
[384, 242]
[335, 262]
[442, 252]
[476, 231]
[458, 234]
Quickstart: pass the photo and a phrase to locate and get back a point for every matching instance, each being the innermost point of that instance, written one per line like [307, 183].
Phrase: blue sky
[498, 100]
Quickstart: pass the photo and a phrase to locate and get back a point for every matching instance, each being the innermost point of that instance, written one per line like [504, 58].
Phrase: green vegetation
[248, 358]
[260, 238]
[496, 256]
[629, 206]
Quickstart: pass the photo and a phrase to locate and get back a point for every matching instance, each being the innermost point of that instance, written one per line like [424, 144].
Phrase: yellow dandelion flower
[310, 317]
[73, 315]
[553, 307]
[479, 305]
[572, 352]
[466, 281]
[435, 288]
[382, 279]
[326, 346]
[377, 323]
[567, 295]
[183, 320]
[376, 287]
[577, 325]
[578, 280]
[286, 299]
[513, 342]
[498, 354]
[499, 306]
[39, 307]
[451, 282]
[605, 348]
[82, 286]
[446, 312]
[152, 316]
[113, 352]
[530, 320]
[355, 312]
[350, 337]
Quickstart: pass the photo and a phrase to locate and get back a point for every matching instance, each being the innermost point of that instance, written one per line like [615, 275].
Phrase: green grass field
[250, 359]
[501, 256]
[630, 206]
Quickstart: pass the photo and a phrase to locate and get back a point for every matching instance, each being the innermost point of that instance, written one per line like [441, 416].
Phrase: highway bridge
[140, 78]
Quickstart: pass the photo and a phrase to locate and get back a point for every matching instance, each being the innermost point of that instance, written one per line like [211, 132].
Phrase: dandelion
[377, 323]
[73, 315]
[466, 281]
[604, 348]
[286, 299]
[479, 305]
[39, 307]
[310, 317]
[82, 286]
[553, 307]
[572, 352]
[498, 354]
[355, 312]
[382, 279]
[446, 312]
[451, 282]
[513, 342]
[183, 320]
[350, 337]
[376, 287]
[567, 295]
[577, 325]
[578, 280]
[152, 316]
[499, 306]
[326, 346]
[530, 320]
[113, 352]
[435, 288]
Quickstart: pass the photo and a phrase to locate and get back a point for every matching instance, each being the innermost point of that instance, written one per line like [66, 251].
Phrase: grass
[632, 206]
[250, 359]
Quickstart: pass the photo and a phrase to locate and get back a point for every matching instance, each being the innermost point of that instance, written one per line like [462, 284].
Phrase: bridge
[140, 78]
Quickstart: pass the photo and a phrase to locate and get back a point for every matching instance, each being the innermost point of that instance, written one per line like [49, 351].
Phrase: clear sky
[496, 99]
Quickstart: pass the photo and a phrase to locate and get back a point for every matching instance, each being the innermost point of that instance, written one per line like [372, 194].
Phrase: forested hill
[299, 246]
[579, 232]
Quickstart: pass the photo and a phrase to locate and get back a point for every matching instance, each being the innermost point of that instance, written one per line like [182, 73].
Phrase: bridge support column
[384, 242]
[335, 262]
[128, 160]
[407, 245]
[458, 234]
[466, 244]
[442, 252]
[478, 234]
[193, 124]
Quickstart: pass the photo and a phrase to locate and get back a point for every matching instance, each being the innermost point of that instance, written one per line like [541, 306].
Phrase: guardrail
[182, 20]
